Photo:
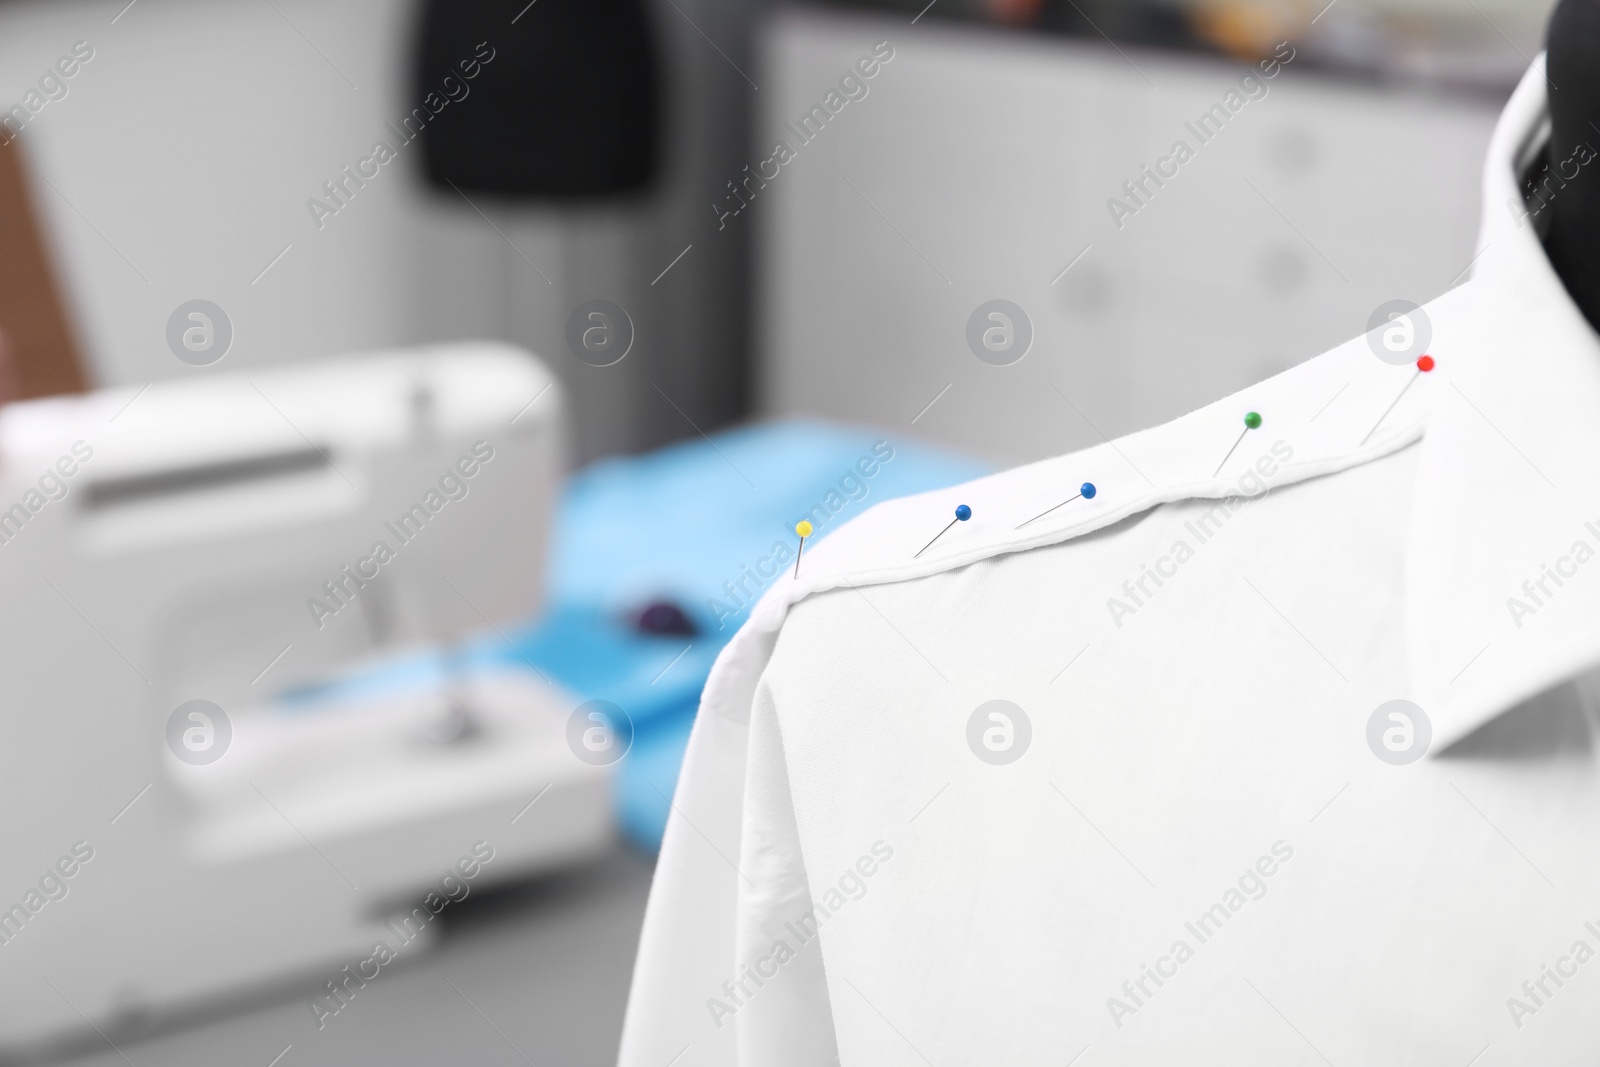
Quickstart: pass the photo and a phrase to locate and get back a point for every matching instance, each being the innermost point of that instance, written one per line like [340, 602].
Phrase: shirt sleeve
[730, 967]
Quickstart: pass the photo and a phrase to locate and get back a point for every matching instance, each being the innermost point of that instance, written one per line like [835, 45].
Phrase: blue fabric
[697, 524]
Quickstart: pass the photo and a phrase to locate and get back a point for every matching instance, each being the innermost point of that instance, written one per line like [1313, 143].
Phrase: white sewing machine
[174, 544]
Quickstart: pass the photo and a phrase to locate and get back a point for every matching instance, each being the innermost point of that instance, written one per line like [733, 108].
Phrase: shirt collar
[1503, 566]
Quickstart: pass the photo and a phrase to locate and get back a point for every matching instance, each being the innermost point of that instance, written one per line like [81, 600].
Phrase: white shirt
[1214, 847]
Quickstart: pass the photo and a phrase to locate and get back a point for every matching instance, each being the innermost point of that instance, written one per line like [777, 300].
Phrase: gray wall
[180, 162]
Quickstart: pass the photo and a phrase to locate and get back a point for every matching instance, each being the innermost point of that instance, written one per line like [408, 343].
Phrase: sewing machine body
[174, 545]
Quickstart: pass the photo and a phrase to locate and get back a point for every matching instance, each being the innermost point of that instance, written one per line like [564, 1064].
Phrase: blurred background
[748, 243]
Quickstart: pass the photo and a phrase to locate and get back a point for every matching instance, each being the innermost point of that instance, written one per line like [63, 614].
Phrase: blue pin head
[1088, 490]
[963, 512]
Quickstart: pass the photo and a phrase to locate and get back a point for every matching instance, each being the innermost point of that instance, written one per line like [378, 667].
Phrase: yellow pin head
[803, 528]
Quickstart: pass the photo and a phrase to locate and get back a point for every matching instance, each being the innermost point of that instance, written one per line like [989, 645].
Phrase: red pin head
[1425, 364]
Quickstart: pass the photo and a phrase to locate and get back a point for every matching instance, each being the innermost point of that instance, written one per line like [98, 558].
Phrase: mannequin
[565, 97]
[1572, 239]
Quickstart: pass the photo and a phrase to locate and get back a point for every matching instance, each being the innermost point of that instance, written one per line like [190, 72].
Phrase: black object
[664, 618]
[562, 99]
[1570, 186]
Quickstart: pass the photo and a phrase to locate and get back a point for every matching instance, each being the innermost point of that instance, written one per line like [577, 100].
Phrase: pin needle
[1086, 491]
[963, 513]
[1424, 365]
[803, 528]
[1251, 421]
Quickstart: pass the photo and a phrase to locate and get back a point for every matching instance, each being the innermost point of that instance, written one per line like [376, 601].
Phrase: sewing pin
[1424, 365]
[1086, 491]
[803, 528]
[963, 513]
[1251, 422]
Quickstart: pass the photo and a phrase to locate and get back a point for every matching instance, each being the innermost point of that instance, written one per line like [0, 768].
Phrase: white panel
[988, 160]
